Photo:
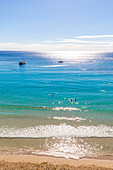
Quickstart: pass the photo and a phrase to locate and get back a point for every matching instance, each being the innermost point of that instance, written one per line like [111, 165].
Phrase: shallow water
[43, 123]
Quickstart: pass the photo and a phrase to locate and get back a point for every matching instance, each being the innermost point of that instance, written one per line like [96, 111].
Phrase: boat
[22, 62]
[60, 61]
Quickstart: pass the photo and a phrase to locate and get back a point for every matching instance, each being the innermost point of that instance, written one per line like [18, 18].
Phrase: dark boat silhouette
[22, 62]
[60, 61]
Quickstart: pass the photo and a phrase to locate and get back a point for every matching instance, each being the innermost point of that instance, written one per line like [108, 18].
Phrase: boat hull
[22, 62]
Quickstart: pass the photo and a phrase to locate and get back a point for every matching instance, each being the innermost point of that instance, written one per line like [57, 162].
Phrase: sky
[56, 25]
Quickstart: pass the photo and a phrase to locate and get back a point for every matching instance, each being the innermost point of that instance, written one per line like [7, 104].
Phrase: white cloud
[95, 36]
[56, 47]
[73, 44]
[84, 41]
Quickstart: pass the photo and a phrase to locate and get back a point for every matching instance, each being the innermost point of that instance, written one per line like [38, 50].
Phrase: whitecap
[65, 108]
[62, 130]
[78, 119]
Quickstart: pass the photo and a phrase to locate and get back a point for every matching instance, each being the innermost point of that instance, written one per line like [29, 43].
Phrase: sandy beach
[26, 162]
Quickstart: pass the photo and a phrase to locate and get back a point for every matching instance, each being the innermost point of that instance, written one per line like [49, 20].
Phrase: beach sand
[28, 162]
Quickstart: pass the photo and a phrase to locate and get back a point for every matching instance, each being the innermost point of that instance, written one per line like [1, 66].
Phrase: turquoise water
[28, 110]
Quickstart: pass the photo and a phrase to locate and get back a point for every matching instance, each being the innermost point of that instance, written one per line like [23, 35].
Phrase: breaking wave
[62, 130]
[65, 108]
[78, 119]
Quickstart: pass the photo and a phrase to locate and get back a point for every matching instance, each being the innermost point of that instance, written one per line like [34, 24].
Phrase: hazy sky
[56, 25]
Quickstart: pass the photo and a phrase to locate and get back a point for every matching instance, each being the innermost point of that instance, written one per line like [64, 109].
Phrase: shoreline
[57, 156]
[15, 161]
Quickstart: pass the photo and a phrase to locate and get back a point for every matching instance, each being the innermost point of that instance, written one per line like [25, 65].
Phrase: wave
[56, 154]
[78, 119]
[39, 108]
[62, 130]
[21, 107]
[65, 108]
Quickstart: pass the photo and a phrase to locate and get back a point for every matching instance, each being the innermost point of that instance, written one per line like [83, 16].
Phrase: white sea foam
[56, 154]
[65, 108]
[69, 148]
[78, 119]
[62, 130]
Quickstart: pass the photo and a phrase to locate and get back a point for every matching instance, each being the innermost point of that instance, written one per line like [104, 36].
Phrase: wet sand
[25, 162]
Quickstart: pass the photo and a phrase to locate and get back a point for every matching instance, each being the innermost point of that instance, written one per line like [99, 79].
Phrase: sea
[52, 108]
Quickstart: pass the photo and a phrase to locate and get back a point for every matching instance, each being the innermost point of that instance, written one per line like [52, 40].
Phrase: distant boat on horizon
[22, 62]
[60, 61]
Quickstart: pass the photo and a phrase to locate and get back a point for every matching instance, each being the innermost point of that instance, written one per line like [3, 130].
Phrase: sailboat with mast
[60, 61]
